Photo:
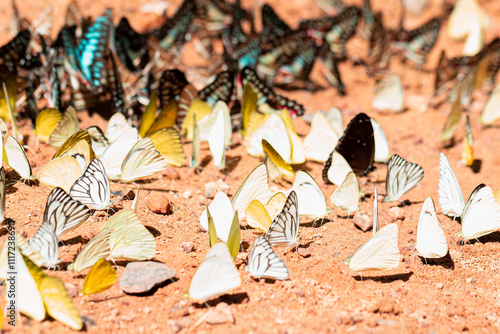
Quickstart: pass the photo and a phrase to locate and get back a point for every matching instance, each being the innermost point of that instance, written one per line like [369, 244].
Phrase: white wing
[217, 140]
[381, 143]
[346, 197]
[264, 263]
[143, 160]
[334, 116]
[92, 188]
[216, 274]
[389, 94]
[222, 212]
[375, 212]
[117, 126]
[63, 212]
[431, 241]
[275, 132]
[66, 127]
[491, 111]
[312, 201]
[284, 231]
[451, 199]
[45, 243]
[321, 140]
[29, 298]
[16, 158]
[99, 140]
[481, 215]
[114, 155]
[339, 168]
[402, 176]
[255, 186]
[380, 252]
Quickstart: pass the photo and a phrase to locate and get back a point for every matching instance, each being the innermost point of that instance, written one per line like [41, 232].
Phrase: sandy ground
[459, 293]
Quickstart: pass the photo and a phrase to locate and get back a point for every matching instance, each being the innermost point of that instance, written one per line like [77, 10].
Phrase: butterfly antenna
[39, 150]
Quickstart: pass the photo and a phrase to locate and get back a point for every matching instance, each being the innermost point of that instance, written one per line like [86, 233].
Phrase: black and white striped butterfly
[481, 214]
[63, 212]
[92, 188]
[284, 231]
[264, 263]
[451, 199]
[402, 176]
[44, 242]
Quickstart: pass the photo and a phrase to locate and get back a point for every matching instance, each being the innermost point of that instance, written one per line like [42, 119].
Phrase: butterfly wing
[284, 230]
[264, 263]
[346, 197]
[312, 201]
[380, 252]
[215, 276]
[92, 188]
[431, 241]
[451, 199]
[402, 176]
[481, 214]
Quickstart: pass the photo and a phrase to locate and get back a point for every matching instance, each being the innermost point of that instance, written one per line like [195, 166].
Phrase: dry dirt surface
[459, 293]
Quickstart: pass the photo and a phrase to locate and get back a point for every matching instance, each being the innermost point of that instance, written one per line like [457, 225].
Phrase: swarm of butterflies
[142, 79]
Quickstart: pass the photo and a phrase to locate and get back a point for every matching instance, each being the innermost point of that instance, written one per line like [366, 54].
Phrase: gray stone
[141, 277]
[220, 315]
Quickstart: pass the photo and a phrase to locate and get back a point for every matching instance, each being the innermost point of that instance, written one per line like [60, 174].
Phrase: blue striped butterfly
[221, 89]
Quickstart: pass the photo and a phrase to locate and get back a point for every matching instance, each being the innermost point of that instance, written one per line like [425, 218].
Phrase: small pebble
[171, 173]
[187, 246]
[396, 213]
[159, 203]
[363, 221]
[220, 315]
[304, 252]
[141, 277]
[439, 286]
[187, 194]
[212, 188]
[72, 289]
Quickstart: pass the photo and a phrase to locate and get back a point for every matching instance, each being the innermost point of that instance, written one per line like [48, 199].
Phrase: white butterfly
[321, 139]
[402, 176]
[275, 132]
[114, 155]
[63, 212]
[264, 263]
[44, 242]
[92, 188]
[339, 168]
[481, 214]
[16, 158]
[312, 201]
[381, 143]
[99, 140]
[217, 138]
[451, 199]
[216, 274]
[222, 213]
[284, 231]
[346, 197]
[431, 241]
[380, 252]
[389, 94]
[117, 126]
[256, 187]
[491, 111]
[143, 160]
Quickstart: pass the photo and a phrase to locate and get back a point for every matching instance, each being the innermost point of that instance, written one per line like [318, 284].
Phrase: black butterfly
[267, 96]
[332, 73]
[273, 29]
[417, 43]
[12, 52]
[172, 82]
[131, 46]
[220, 89]
[173, 32]
[357, 146]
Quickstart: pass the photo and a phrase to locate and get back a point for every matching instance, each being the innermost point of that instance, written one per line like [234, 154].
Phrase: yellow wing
[168, 142]
[101, 277]
[46, 122]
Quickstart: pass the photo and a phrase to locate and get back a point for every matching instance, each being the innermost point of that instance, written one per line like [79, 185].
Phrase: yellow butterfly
[260, 216]
[101, 277]
[46, 122]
